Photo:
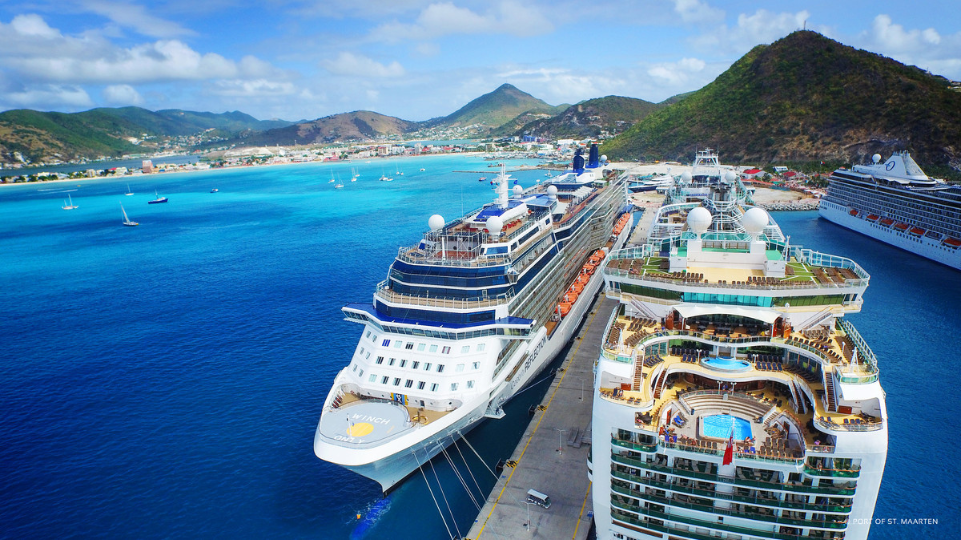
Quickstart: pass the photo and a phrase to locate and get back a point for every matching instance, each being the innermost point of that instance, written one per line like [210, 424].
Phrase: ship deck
[798, 273]
[361, 420]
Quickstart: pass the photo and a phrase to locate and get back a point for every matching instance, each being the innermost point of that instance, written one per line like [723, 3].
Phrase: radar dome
[604, 157]
[436, 222]
[686, 176]
[730, 176]
[876, 158]
[518, 191]
[495, 224]
[754, 220]
[552, 192]
[699, 219]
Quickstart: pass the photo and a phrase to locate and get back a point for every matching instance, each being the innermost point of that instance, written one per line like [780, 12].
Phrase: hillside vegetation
[806, 98]
[612, 114]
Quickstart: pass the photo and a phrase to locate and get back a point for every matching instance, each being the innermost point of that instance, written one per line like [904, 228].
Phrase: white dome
[552, 192]
[436, 222]
[730, 176]
[686, 176]
[495, 224]
[876, 158]
[699, 219]
[518, 191]
[754, 220]
[604, 157]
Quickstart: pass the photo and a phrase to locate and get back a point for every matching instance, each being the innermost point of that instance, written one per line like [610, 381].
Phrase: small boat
[128, 193]
[385, 178]
[422, 169]
[354, 176]
[214, 190]
[159, 199]
[126, 220]
[70, 205]
[338, 186]
[399, 173]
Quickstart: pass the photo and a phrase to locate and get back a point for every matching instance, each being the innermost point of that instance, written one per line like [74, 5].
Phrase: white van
[538, 498]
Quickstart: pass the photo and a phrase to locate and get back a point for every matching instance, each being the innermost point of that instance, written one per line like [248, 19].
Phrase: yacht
[68, 204]
[126, 221]
[467, 317]
[158, 200]
[732, 397]
[895, 202]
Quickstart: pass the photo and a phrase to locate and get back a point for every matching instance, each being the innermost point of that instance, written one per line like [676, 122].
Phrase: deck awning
[694, 310]
[859, 392]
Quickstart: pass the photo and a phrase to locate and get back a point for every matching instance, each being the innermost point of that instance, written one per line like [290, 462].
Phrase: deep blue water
[165, 381]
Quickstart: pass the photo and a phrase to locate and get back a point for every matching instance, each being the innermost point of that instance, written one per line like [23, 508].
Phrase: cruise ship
[895, 202]
[468, 317]
[732, 398]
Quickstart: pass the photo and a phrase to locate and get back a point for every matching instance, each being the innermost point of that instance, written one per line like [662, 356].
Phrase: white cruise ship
[895, 202]
[732, 399]
[467, 318]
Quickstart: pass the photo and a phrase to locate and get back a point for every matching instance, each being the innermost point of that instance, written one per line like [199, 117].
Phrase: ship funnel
[578, 164]
[592, 158]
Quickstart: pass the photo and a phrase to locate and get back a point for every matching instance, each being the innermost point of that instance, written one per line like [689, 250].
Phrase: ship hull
[918, 245]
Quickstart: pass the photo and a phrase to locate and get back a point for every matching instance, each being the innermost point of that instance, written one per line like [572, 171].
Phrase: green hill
[493, 109]
[352, 126]
[44, 136]
[806, 98]
[612, 114]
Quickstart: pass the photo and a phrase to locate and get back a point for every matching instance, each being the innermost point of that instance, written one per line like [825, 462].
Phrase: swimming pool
[725, 364]
[718, 426]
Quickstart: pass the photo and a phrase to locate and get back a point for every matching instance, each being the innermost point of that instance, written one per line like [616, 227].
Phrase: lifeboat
[917, 231]
[571, 296]
[887, 222]
[853, 212]
[578, 288]
[583, 279]
[952, 242]
[565, 308]
[873, 217]
[901, 226]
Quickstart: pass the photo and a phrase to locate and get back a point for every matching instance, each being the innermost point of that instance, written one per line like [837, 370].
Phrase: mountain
[493, 109]
[806, 98]
[612, 114]
[43, 136]
[352, 126]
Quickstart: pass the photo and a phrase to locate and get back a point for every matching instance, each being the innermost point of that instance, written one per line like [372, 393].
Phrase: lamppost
[560, 447]
[528, 515]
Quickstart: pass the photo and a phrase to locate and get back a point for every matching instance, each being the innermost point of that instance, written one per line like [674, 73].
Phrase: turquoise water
[719, 426]
[725, 364]
[165, 381]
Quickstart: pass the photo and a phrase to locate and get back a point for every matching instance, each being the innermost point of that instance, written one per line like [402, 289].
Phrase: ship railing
[816, 258]
[784, 285]
[470, 258]
[866, 371]
[384, 291]
[830, 425]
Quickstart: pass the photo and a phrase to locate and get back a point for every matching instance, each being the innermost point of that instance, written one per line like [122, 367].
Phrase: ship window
[386, 342]
[410, 345]
[380, 359]
[396, 381]
[421, 347]
[420, 385]
[470, 384]
[433, 387]
[355, 367]
[367, 357]
[481, 347]
[465, 349]
[440, 368]
[427, 366]
[445, 350]
[476, 365]
[361, 350]
[415, 365]
[391, 361]
[384, 380]
[367, 334]
[373, 337]
[403, 362]
[433, 348]
[372, 378]
[360, 374]
[409, 383]
[453, 387]
[398, 344]
[460, 368]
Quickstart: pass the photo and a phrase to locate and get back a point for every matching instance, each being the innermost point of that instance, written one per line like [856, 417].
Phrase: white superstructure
[727, 334]
[466, 318]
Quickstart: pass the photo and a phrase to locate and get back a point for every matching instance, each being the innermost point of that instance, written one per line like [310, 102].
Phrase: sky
[419, 59]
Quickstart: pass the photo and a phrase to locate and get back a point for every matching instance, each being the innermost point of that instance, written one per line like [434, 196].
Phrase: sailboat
[159, 199]
[126, 220]
[384, 177]
[354, 176]
[128, 193]
[70, 205]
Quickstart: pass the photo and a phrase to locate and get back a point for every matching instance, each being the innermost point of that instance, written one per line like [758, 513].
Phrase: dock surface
[552, 455]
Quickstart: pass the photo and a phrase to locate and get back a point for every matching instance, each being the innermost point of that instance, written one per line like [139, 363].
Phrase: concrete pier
[552, 455]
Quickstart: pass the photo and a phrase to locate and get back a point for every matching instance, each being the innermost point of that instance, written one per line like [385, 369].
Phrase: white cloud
[357, 65]
[38, 53]
[135, 17]
[445, 18]
[121, 94]
[254, 88]
[695, 11]
[893, 39]
[751, 30]
[47, 97]
[427, 49]
[677, 74]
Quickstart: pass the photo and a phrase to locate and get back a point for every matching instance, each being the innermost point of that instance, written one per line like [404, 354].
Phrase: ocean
[165, 381]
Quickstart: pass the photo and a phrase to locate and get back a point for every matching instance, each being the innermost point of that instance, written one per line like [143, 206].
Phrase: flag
[729, 450]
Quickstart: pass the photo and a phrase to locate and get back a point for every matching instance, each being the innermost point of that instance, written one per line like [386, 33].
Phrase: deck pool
[725, 364]
[718, 426]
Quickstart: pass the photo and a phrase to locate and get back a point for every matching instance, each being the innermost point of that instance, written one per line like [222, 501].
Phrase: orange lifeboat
[571, 296]
[578, 288]
[565, 308]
